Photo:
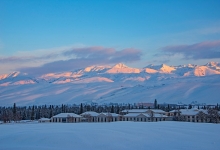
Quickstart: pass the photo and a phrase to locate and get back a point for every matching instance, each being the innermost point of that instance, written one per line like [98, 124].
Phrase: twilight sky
[42, 36]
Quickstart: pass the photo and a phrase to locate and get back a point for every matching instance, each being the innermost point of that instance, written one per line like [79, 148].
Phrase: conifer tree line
[17, 113]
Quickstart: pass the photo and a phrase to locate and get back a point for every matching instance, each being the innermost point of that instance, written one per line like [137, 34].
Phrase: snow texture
[117, 135]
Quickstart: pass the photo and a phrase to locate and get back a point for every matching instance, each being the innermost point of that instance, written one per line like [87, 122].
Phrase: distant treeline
[17, 113]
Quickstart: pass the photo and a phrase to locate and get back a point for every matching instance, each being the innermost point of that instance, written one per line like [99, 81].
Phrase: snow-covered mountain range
[117, 84]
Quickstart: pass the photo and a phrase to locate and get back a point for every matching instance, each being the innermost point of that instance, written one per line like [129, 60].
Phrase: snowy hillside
[118, 84]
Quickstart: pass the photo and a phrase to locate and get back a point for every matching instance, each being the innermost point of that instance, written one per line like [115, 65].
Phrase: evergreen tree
[168, 107]
[24, 116]
[62, 109]
[14, 112]
[190, 106]
[32, 113]
[88, 108]
[81, 109]
[118, 110]
[155, 104]
[51, 113]
[112, 109]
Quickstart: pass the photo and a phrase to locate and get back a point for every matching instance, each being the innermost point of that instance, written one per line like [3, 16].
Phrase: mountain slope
[118, 84]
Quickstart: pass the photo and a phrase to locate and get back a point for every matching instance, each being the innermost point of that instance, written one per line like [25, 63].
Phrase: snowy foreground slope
[117, 84]
[117, 135]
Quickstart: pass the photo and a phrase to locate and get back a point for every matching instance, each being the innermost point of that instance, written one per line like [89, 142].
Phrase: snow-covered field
[117, 135]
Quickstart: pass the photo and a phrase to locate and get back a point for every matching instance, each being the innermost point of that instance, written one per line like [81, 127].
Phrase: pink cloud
[86, 57]
[202, 50]
[19, 59]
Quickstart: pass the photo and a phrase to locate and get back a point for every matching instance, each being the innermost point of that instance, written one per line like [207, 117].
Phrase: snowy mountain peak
[166, 69]
[212, 64]
[13, 74]
[95, 68]
[122, 68]
[163, 68]
[120, 65]
[191, 65]
[204, 71]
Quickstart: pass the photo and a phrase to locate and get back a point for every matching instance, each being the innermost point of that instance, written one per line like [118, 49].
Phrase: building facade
[66, 118]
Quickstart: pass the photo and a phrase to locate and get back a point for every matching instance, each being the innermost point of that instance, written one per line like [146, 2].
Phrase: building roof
[172, 111]
[44, 119]
[132, 115]
[91, 113]
[135, 110]
[192, 112]
[112, 114]
[65, 115]
[144, 114]
[157, 110]
[143, 110]
[159, 115]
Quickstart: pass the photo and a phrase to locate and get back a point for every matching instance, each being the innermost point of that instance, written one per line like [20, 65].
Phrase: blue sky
[36, 34]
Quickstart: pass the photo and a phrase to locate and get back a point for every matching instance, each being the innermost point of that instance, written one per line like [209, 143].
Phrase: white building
[108, 117]
[91, 116]
[155, 111]
[66, 118]
[145, 117]
[191, 115]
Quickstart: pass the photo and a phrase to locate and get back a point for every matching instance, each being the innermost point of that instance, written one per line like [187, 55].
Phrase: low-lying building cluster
[136, 115]
[196, 115]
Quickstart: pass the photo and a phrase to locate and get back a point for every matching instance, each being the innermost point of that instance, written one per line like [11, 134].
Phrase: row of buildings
[136, 115]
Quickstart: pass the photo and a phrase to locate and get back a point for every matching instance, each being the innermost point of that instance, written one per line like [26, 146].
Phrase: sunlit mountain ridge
[118, 84]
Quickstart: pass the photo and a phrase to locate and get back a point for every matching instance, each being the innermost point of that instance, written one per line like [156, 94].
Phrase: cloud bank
[202, 50]
[72, 59]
